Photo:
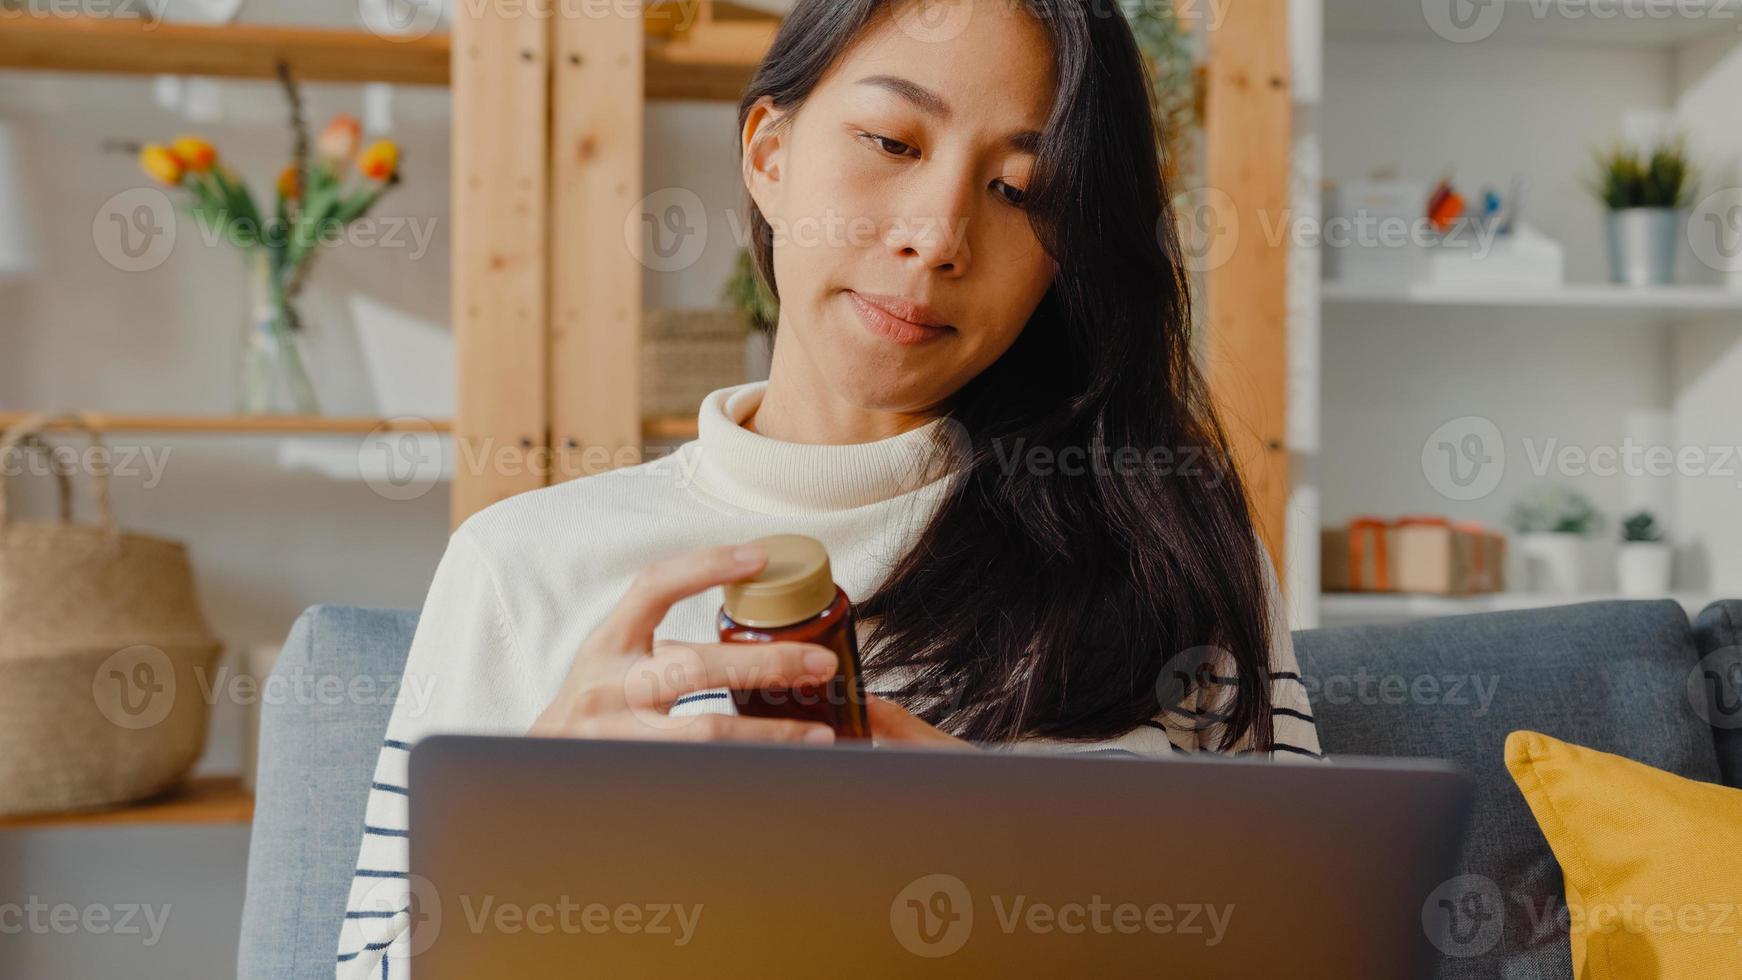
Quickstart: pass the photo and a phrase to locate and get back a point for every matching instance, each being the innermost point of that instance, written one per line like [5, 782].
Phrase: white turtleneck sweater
[523, 582]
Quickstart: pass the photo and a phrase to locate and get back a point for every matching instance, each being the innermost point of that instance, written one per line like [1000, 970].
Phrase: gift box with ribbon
[1421, 553]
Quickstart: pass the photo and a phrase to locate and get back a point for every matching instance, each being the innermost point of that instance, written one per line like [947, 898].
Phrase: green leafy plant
[1555, 510]
[1641, 526]
[745, 292]
[1663, 179]
[1169, 55]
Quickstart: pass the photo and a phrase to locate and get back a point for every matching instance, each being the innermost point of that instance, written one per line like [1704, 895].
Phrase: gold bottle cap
[795, 585]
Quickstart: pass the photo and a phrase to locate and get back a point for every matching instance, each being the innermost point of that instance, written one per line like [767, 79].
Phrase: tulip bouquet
[316, 200]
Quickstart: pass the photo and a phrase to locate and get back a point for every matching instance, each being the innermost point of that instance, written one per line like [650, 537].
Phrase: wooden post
[595, 248]
[501, 59]
[1248, 144]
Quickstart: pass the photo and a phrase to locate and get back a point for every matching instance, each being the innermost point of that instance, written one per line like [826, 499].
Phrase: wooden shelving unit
[710, 63]
[202, 800]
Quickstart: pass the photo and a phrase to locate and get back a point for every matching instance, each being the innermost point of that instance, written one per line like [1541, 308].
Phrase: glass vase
[274, 378]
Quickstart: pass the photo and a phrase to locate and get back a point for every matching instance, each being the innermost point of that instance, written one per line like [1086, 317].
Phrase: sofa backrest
[317, 751]
[1617, 676]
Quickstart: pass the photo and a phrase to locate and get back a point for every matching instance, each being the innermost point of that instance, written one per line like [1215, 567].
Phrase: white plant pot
[1554, 562]
[1643, 568]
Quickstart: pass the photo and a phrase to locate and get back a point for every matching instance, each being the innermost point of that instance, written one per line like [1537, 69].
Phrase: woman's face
[901, 179]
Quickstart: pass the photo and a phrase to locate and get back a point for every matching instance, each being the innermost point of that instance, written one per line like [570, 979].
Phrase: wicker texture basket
[687, 353]
[103, 650]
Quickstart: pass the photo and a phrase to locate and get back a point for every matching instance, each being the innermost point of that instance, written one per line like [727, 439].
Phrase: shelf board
[662, 427]
[1607, 299]
[202, 800]
[1351, 608]
[1587, 22]
[137, 46]
[711, 63]
[243, 424]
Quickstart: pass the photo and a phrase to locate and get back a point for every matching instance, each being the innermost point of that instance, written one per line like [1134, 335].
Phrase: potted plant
[1642, 567]
[1553, 525]
[1646, 200]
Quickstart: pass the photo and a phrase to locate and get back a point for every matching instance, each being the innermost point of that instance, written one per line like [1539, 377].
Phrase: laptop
[535, 857]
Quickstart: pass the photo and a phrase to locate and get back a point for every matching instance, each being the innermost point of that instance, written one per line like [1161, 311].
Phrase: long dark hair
[1037, 602]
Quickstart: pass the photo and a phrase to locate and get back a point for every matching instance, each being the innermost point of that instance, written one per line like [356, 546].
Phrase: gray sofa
[1634, 678]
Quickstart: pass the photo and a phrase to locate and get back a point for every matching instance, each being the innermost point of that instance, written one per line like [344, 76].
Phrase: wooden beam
[595, 255]
[500, 143]
[1248, 147]
[241, 424]
[712, 64]
[142, 47]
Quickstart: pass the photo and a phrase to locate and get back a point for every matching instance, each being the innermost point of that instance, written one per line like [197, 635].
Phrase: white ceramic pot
[1554, 562]
[1643, 568]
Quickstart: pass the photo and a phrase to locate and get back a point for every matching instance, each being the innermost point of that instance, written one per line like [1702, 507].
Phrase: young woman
[982, 401]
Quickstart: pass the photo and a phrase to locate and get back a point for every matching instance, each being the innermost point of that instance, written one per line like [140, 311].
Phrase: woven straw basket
[103, 649]
[687, 353]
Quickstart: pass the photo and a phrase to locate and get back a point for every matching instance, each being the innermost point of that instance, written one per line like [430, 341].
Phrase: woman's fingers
[676, 669]
[660, 584]
[699, 728]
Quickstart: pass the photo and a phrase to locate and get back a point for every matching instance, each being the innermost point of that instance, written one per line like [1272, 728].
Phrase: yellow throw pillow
[1652, 861]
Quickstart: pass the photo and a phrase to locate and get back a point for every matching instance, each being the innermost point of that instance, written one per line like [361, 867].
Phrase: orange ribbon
[1358, 529]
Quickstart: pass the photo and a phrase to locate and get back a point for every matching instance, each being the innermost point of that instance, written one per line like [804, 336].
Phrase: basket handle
[61, 471]
[26, 433]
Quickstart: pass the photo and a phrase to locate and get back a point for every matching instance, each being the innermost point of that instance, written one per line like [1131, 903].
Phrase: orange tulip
[287, 188]
[162, 163]
[198, 154]
[339, 140]
[380, 160]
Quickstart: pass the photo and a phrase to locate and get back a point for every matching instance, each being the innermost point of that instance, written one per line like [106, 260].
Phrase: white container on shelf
[1642, 569]
[1376, 235]
[1552, 563]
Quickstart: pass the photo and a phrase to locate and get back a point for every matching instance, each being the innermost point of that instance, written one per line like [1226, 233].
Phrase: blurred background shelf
[655, 427]
[137, 46]
[1582, 298]
[202, 800]
[1590, 22]
[713, 62]
[1358, 608]
[246, 424]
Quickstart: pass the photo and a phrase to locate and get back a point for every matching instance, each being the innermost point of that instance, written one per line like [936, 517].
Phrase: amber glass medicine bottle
[795, 598]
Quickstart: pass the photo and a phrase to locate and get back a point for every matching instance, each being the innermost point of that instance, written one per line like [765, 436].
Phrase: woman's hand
[891, 724]
[622, 683]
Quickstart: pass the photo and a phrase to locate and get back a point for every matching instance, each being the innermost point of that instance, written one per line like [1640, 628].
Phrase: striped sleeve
[458, 671]
[1295, 734]
[1196, 720]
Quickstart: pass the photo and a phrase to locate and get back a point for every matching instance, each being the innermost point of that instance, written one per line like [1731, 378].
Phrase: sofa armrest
[324, 712]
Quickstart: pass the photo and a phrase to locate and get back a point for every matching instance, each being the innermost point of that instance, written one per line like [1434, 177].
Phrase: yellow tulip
[195, 152]
[162, 163]
[287, 188]
[380, 160]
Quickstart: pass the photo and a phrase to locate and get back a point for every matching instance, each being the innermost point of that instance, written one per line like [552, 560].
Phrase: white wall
[265, 543]
[1708, 358]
